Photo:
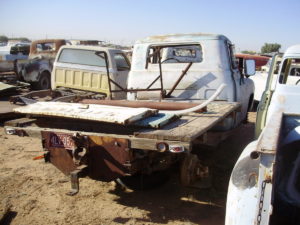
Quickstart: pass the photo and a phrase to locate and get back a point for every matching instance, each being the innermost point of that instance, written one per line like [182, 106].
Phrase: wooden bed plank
[191, 126]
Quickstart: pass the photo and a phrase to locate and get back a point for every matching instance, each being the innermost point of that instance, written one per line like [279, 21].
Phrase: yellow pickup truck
[84, 71]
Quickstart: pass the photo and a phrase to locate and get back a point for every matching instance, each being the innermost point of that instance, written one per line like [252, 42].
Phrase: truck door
[242, 90]
[266, 97]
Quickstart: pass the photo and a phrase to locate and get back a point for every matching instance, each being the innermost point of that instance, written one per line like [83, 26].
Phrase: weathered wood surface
[191, 126]
[97, 113]
[184, 130]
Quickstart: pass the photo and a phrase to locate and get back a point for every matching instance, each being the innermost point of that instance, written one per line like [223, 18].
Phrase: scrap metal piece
[6, 89]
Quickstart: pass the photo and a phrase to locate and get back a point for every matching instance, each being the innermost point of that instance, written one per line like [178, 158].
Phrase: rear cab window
[175, 54]
[82, 57]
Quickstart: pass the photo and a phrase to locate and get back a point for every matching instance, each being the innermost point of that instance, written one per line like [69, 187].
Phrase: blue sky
[248, 24]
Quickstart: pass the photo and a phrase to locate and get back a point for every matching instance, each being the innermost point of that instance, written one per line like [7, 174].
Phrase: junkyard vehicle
[9, 53]
[259, 60]
[260, 79]
[264, 185]
[193, 67]
[83, 72]
[124, 140]
[37, 69]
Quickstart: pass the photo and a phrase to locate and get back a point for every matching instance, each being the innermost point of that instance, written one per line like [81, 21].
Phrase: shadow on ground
[172, 202]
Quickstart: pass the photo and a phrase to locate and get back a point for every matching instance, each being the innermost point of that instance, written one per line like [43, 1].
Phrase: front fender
[34, 69]
[243, 191]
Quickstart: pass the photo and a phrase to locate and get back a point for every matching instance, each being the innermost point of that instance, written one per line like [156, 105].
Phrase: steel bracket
[74, 178]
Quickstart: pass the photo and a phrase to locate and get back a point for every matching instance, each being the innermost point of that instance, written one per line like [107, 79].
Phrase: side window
[45, 47]
[290, 72]
[295, 72]
[83, 57]
[121, 62]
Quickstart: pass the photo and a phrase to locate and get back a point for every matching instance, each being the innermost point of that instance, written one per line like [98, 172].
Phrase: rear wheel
[43, 82]
[192, 170]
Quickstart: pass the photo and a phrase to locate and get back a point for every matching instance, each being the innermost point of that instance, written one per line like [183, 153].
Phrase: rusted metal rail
[145, 104]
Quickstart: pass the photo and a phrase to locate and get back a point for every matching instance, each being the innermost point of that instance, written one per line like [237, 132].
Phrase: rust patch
[62, 159]
[59, 156]
[108, 158]
[57, 42]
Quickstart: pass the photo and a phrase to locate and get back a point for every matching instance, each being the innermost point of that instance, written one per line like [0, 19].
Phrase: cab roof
[89, 47]
[194, 37]
[292, 51]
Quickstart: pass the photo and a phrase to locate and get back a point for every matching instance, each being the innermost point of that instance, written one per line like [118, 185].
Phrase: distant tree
[270, 47]
[248, 52]
[3, 38]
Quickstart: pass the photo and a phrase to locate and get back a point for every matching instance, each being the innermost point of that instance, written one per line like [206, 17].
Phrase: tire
[44, 81]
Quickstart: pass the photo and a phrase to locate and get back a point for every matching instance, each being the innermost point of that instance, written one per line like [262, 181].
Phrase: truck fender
[242, 195]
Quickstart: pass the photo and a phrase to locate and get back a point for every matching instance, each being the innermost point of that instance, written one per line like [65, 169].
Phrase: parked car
[10, 52]
[37, 69]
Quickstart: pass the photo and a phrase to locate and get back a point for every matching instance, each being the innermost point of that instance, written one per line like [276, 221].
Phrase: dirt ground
[33, 192]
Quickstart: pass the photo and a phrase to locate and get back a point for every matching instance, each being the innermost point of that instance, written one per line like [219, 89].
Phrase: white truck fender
[242, 191]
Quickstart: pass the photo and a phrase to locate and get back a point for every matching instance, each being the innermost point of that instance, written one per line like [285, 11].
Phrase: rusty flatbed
[182, 131]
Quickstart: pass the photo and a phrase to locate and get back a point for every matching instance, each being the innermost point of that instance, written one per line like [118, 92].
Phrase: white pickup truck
[264, 186]
[193, 66]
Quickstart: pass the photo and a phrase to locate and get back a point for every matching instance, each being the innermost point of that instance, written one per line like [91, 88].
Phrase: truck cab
[189, 67]
[89, 68]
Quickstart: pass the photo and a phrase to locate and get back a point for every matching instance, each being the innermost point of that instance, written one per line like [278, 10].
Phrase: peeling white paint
[101, 113]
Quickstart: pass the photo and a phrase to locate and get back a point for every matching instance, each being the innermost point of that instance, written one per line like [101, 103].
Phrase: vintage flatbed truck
[112, 151]
[83, 138]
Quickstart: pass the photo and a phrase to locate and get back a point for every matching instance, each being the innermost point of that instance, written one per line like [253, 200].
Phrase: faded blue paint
[156, 121]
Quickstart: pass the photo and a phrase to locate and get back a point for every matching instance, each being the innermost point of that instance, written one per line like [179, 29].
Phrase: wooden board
[191, 126]
[92, 112]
